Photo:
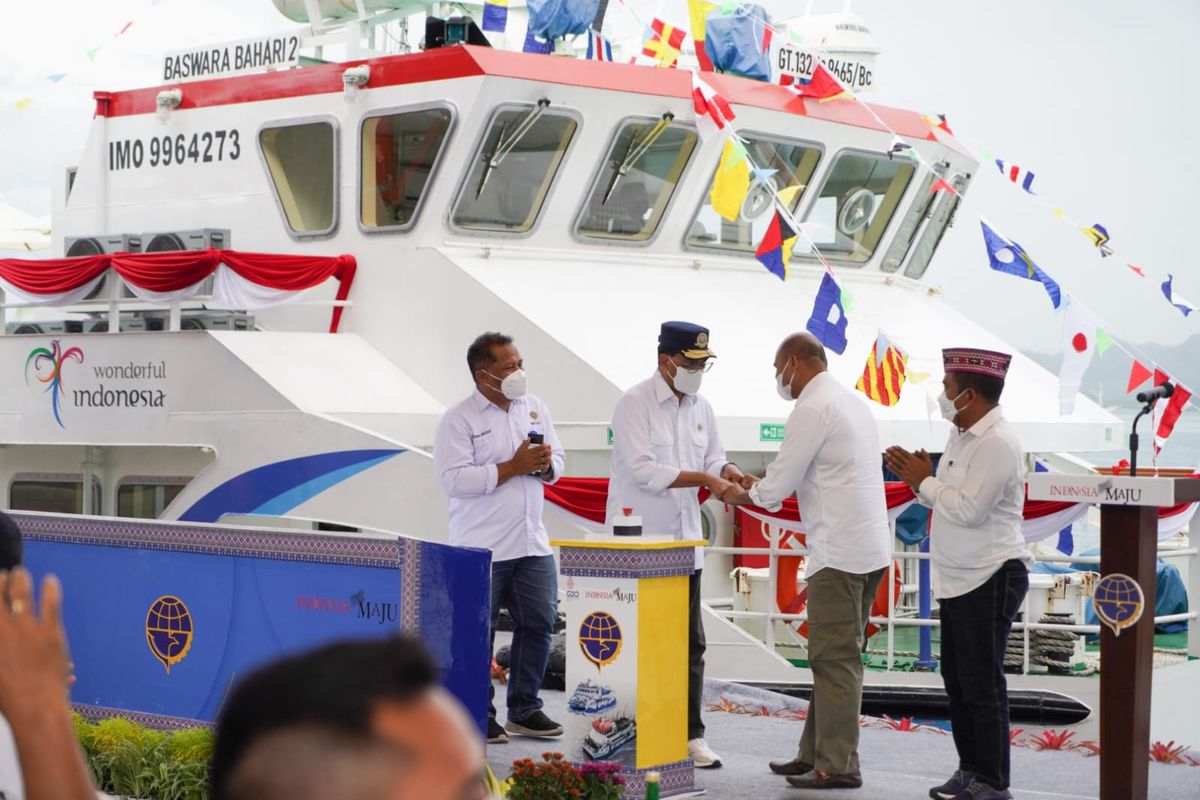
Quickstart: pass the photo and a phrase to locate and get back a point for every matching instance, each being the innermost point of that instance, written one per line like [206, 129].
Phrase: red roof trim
[463, 62]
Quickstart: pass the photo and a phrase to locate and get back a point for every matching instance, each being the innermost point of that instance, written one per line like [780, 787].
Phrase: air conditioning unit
[216, 321]
[128, 324]
[97, 245]
[199, 239]
[46, 327]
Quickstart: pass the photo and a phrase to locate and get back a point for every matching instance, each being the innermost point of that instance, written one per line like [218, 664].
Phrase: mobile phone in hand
[536, 438]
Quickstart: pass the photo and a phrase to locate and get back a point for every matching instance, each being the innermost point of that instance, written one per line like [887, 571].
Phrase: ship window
[399, 152]
[55, 494]
[794, 165]
[913, 222]
[302, 162]
[637, 180]
[943, 218]
[856, 203]
[146, 500]
[510, 179]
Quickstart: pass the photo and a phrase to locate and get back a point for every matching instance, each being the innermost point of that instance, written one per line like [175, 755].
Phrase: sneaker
[959, 781]
[536, 724]
[702, 755]
[981, 791]
[496, 734]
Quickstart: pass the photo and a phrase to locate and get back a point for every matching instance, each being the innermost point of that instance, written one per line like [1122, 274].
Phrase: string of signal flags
[886, 368]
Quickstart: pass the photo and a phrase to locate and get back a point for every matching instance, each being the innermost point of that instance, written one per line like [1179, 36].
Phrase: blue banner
[163, 618]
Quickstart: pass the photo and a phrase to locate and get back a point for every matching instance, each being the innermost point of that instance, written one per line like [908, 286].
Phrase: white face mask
[949, 408]
[686, 381]
[784, 388]
[512, 386]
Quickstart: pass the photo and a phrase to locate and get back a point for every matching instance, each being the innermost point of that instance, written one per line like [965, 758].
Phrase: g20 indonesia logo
[169, 630]
[47, 367]
[600, 638]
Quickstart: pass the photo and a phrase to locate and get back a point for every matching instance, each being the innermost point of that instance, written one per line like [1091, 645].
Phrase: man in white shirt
[830, 457]
[980, 563]
[665, 446]
[493, 475]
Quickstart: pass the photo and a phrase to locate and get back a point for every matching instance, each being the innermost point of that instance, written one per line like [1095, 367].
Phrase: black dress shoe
[815, 780]
[793, 767]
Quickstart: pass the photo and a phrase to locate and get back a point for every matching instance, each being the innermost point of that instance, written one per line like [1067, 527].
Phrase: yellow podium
[627, 666]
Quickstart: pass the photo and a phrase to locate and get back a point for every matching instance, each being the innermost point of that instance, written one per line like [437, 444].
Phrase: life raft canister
[790, 600]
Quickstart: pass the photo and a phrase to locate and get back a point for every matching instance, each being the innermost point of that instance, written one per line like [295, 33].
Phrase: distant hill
[1108, 375]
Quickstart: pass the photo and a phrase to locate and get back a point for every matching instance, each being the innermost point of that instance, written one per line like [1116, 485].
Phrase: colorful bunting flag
[732, 181]
[775, 249]
[23, 103]
[822, 86]
[1138, 375]
[536, 45]
[126, 27]
[495, 15]
[1175, 299]
[1006, 255]
[1103, 341]
[56, 77]
[698, 11]
[885, 371]
[828, 321]
[713, 112]
[941, 186]
[91, 54]
[1166, 425]
[1017, 175]
[664, 43]
[1079, 346]
[599, 48]
[1099, 236]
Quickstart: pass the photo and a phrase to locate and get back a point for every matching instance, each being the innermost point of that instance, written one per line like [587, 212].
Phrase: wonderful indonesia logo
[128, 385]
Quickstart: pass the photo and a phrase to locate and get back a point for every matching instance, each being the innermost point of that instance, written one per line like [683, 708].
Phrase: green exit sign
[610, 436]
[770, 432]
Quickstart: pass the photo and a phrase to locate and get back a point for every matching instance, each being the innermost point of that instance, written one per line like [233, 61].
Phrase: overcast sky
[1092, 95]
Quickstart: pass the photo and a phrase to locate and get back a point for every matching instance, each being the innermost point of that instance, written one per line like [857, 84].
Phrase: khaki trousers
[839, 605]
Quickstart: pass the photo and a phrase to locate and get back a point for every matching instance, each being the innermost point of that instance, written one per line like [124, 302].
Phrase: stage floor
[896, 764]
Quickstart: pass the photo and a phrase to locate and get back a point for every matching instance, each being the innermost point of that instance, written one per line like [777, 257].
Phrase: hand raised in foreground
[33, 690]
[912, 468]
[33, 650]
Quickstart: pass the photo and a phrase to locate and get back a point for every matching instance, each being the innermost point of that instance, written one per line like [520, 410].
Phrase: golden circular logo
[702, 339]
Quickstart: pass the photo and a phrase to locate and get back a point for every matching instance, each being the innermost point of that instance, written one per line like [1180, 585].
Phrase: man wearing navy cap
[666, 446]
[980, 562]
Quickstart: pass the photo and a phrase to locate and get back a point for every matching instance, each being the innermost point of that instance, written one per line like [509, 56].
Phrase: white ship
[559, 200]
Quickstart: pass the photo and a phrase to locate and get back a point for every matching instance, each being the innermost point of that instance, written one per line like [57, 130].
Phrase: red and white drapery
[240, 280]
[583, 500]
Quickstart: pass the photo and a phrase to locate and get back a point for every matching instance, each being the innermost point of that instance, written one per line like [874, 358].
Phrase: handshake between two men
[733, 486]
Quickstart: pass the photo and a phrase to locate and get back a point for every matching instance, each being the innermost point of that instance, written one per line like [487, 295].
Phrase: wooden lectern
[1129, 545]
[627, 652]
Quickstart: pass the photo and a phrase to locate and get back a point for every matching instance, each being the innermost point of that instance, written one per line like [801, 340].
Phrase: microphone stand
[1133, 438]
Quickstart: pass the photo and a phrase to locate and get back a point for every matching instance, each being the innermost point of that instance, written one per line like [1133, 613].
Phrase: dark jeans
[975, 628]
[696, 648]
[528, 588]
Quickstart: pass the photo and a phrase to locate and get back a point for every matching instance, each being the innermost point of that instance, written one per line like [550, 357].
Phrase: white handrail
[773, 551]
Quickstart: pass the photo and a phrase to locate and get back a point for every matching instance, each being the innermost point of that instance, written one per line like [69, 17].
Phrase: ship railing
[117, 302]
[893, 620]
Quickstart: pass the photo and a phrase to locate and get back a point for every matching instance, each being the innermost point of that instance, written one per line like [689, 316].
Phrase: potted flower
[554, 778]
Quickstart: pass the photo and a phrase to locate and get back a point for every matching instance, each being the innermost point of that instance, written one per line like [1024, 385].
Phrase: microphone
[1162, 391]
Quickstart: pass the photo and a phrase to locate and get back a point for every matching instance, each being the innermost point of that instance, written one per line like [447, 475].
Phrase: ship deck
[895, 764]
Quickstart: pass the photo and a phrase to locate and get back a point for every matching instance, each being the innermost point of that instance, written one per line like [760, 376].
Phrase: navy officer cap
[685, 337]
